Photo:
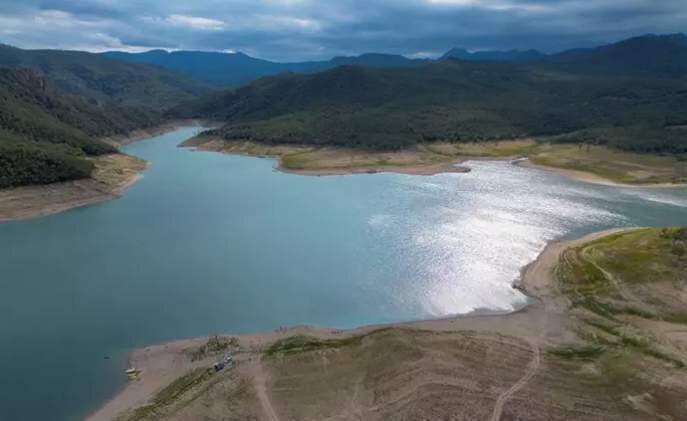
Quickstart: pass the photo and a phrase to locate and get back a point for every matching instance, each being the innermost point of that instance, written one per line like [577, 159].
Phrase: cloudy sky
[314, 29]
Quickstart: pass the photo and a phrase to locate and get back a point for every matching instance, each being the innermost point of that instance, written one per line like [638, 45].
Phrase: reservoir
[208, 243]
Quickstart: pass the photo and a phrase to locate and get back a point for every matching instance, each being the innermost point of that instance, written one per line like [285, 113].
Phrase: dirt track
[531, 371]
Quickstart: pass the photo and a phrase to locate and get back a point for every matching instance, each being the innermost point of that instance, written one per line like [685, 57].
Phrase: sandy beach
[540, 324]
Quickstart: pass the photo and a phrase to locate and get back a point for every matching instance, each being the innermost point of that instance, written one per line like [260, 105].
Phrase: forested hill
[54, 105]
[604, 95]
[648, 55]
[46, 135]
[105, 79]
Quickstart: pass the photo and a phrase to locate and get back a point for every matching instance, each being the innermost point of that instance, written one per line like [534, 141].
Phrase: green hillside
[576, 99]
[54, 105]
[104, 79]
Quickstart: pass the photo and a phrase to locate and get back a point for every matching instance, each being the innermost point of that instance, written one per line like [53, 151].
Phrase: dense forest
[103, 79]
[631, 95]
[55, 105]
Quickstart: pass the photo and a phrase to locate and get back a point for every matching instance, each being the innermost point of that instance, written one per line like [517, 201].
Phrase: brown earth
[484, 367]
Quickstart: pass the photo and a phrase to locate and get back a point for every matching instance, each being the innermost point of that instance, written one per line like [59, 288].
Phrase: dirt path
[259, 379]
[531, 371]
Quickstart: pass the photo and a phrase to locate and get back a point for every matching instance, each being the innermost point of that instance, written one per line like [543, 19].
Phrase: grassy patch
[496, 149]
[633, 274]
[117, 169]
[578, 352]
[214, 345]
[171, 394]
[303, 343]
[612, 164]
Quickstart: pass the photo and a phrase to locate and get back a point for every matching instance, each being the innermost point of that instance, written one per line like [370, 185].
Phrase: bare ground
[112, 176]
[489, 367]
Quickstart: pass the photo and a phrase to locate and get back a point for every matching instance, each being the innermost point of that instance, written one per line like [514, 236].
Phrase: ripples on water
[467, 236]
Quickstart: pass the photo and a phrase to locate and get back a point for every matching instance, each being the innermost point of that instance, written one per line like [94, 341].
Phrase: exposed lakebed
[209, 243]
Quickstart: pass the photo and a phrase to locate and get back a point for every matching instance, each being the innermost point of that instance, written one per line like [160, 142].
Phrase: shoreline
[159, 130]
[540, 322]
[450, 165]
[28, 202]
[35, 201]
[591, 178]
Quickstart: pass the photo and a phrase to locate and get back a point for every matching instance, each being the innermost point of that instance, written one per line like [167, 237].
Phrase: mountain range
[233, 69]
[627, 94]
[494, 55]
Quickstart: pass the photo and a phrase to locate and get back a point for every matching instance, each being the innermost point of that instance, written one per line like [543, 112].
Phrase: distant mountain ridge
[494, 55]
[233, 69]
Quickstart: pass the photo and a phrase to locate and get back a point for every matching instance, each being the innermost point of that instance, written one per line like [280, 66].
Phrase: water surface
[209, 243]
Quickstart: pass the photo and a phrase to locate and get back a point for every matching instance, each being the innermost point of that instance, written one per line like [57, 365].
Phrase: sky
[294, 30]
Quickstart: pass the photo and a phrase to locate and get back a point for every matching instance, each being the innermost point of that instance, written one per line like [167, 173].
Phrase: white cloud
[425, 54]
[495, 5]
[196, 22]
[288, 22]
[294, 30]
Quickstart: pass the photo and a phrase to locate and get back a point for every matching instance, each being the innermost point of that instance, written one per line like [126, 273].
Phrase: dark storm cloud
[308, 29]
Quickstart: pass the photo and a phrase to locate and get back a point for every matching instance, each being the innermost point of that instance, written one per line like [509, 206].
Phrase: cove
[208, 243]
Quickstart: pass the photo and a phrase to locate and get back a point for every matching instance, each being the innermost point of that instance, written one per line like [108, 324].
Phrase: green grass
[612, 164]
[302, 343]
[636, 262]
[584, 352]
[171, 394]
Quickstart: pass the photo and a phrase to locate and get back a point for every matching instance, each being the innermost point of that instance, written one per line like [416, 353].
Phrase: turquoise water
[210, 243]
